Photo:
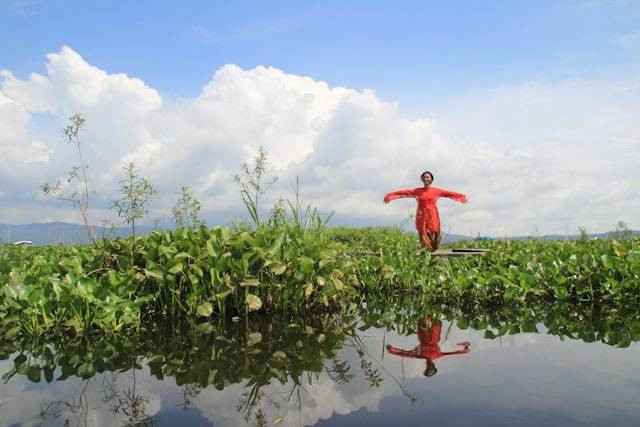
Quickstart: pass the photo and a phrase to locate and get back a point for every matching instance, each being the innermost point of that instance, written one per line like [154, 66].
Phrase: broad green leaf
[210, 250]
[12, 333]
[279, 355]
[253, 302]
[306, 264]
[489, 335]
[254, 338]
[308, 290]
[33, 373]
[156, 358]
[462, 323]
[205, 328]
[86, 370]
[205, 309]
[176, 268]
[48, 373]
[156, 274]
[278, 268]
[277, 243]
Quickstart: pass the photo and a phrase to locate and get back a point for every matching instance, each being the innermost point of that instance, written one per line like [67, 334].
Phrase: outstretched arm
[458, 197]
[398, 194]
[465, 344]
[415, 353]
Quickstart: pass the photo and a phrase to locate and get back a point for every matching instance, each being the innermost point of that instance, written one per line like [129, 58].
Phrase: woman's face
[426, 178]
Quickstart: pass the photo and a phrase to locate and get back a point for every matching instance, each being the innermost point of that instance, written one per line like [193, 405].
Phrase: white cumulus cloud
[507, 149]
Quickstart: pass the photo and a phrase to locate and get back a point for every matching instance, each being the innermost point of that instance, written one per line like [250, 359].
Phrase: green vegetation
[290, 263]
[514, 272]
[119, 283]
[287, 266]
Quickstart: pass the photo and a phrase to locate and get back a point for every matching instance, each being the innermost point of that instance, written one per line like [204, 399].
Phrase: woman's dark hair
[430, 370]
[422, 174]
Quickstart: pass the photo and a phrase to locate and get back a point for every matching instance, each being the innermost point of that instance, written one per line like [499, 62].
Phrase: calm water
[328, 371]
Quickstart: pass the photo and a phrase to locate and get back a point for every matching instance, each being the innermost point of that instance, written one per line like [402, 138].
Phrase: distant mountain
[452, 238]
[52, 233]
[549, 237]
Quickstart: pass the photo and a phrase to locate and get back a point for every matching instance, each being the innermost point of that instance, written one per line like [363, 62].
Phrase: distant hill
[452, 238]
[607, 235]
[52, 233]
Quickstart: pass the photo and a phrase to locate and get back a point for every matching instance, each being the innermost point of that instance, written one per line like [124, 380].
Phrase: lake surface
[329, 370]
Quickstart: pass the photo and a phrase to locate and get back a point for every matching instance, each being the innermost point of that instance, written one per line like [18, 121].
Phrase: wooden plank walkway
[451, 253]
[460, 252]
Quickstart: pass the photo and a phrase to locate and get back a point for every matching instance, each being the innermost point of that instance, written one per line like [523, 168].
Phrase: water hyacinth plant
[204, 272]
[285, 267]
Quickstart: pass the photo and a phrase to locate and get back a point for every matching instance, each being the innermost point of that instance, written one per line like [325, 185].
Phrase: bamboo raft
[460, 252]
[450, 253]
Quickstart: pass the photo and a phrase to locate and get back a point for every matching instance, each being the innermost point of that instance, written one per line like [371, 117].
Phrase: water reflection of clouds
[319, 400]
[23, 401]
[502, 380]
[324, 397]
[539, 378]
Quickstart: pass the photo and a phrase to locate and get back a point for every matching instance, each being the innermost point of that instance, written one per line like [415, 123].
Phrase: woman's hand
[465, 200]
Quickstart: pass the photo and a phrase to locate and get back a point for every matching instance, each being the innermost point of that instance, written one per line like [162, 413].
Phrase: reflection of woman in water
[428, 331]
[427, 217]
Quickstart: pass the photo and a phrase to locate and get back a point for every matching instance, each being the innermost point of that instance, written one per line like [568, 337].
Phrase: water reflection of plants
[615, 325]
[196, 356]
[77, 406]
[293, 351]
[207, 354]
[262, 350]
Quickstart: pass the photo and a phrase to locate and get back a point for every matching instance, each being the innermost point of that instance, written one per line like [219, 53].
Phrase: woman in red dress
[428, 331]
[427, 217]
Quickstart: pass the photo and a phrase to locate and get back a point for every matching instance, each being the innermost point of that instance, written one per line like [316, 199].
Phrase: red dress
[429, 347]
[427, 216]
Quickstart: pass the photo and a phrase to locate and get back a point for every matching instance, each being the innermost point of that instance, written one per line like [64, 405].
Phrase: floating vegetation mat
[218, 273]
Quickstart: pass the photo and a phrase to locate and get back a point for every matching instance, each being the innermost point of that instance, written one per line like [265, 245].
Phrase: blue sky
[552, 82]
[440, 48]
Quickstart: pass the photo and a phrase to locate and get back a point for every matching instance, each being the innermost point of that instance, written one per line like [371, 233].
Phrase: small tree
[584, 235]
[250, 181]
[108, 228]
[622, 230]
[136, 193]
[76, 189]
[186, 211]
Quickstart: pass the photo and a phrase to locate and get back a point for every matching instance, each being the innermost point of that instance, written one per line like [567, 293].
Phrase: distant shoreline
[53, 233]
